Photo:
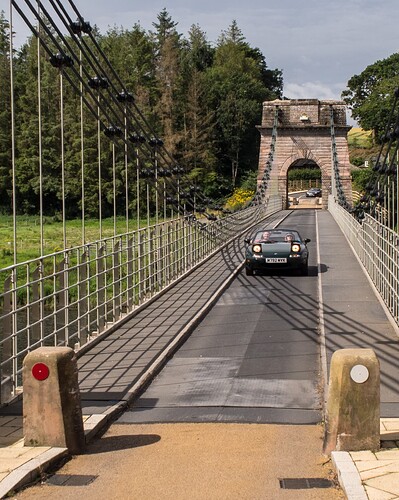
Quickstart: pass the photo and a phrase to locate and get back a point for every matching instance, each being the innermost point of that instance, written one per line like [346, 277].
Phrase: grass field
[359, 138]
[28, 235]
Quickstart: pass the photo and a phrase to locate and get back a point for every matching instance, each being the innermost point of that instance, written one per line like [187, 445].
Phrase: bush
[360, 178]
[239, 198]
[357, 161]
[298, 173]
[249, 182]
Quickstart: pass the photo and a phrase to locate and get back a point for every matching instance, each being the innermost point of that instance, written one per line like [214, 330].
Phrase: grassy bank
[28, 235]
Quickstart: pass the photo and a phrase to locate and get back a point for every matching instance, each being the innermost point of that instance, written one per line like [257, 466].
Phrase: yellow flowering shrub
[239, 198]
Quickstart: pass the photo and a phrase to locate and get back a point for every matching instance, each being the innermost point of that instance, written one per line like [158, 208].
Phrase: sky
[318, 45]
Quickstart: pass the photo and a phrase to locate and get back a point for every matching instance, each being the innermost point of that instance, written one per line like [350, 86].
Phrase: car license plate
[276, 260]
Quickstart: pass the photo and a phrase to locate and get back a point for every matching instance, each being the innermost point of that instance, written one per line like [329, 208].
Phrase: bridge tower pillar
[304, 139]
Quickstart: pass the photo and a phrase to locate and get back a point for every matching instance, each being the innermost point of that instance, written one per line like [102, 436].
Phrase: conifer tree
[198, 153]
[168, 80]
[5, 115]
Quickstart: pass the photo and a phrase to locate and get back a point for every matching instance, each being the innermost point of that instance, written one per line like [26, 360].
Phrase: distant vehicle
[313, 193]
[276, 249]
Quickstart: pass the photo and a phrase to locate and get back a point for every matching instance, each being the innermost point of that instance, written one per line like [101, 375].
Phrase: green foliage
[204, 102]
[358, 161]
[249, 181]
[5, 113]
[360, 178]
[298, 173]
[370, 94]
[236, 88]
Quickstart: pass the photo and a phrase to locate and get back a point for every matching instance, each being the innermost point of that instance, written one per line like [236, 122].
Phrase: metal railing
[377, 247]
[73, 296]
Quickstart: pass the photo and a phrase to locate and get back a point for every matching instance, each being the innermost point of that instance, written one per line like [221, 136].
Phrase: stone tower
[304, 138]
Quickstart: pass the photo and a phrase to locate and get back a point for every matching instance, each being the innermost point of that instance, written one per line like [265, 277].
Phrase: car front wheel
[249, 272]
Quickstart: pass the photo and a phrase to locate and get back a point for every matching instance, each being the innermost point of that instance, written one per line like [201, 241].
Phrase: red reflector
[40, 371]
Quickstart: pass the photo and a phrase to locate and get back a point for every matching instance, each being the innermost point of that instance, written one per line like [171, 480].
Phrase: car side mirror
[247, 240]
[307, 240]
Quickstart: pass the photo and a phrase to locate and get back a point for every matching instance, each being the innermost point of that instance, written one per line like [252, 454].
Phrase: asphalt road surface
[254, 358]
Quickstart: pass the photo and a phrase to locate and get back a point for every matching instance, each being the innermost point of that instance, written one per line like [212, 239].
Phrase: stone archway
[304, 133]
[325, 169]
[303, 185]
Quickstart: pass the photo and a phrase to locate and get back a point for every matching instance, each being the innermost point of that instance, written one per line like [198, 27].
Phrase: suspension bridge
[126, 302]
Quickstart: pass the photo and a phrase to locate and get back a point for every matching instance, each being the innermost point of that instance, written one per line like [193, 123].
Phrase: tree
[167, 42]
[370, 94]
[164, 28]
[27, 128]
[237, 89]
[204, 103]
[197, 150]
[131, 53]
[361, 177]
[5, 114]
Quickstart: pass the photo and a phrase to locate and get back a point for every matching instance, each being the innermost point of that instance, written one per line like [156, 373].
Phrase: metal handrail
[72, 296]
[377, 247]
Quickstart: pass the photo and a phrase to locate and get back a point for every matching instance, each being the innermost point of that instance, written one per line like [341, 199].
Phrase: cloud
[313, 90]
[317, 90]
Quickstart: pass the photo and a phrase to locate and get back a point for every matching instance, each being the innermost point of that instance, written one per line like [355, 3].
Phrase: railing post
[101, 292]
[6, 367]
[129, 270]
[141, 259]
[152, 262]
[160, 259]
[116, 278]
[35, 307]
[83, 320]
[169, 254]
[61, 302]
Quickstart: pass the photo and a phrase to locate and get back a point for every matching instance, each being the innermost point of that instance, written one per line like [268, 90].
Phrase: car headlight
[257, 248]
[295, 247]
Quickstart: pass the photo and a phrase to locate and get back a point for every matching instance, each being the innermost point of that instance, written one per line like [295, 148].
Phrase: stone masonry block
[52, 414]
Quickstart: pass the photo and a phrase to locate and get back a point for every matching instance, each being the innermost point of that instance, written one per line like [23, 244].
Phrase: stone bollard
[52, 412]
[353, 404]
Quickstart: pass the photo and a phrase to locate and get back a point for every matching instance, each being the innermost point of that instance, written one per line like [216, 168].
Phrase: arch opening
[303, 179]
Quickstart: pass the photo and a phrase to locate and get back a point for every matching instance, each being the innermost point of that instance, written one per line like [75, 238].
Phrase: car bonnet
[279, 248]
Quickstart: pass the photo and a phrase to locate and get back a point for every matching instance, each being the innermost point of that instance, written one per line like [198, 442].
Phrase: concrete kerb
[348, 475]
[35, 467]
[31, 470]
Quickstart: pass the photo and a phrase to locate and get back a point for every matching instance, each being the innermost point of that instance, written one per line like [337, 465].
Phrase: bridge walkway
[115, 370]
[112, 372]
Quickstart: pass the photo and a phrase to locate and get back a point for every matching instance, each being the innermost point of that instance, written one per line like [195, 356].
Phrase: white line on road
[323, 351]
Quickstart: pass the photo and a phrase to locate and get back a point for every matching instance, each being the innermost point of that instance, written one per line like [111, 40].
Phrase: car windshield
[276, 236]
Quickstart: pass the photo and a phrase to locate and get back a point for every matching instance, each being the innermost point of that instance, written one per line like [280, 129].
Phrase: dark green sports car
[276, 249]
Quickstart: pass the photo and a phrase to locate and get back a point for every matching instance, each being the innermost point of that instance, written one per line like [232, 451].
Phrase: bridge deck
[114, 369]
